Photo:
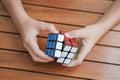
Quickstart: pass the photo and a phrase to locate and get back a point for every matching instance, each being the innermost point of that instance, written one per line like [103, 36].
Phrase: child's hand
[90, 34]
[29, 30]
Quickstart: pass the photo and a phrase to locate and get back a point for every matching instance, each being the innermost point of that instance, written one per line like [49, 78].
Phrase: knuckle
[52, 25]
[24, 45]
[26, 41]
[79, 62]
[36, 54]
[72, 33]
[35, 59]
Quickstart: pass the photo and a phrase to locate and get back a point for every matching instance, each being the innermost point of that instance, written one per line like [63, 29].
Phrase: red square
[67, 41]
[74, 42]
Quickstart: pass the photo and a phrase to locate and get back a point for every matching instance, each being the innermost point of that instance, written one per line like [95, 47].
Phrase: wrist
[96, 29]
[101, 27]
[20, 20]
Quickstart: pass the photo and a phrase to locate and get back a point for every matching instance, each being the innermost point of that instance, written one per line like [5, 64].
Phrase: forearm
[15, 10]
[111, 17]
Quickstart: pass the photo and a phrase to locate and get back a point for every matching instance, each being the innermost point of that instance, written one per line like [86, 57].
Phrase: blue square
[47, 45]
[50, 44]
[52, 37]
[53, 45]
[50, 52]
[46, 51]
[55, 37]
[49, 36]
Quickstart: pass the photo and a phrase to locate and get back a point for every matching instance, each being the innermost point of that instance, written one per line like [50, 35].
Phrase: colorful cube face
[68, 53]
[62, 48]
[54, 44]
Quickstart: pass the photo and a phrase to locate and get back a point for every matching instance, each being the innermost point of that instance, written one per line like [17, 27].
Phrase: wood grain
[7, 25]
[111, 38]
[87, 69]
[2, 9]
[102, 63]
[6, 74]
[99, 6]
[81, 18]
[56, 15]
[99, 53]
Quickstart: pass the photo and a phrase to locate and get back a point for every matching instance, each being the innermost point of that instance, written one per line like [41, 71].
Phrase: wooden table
[102, 63]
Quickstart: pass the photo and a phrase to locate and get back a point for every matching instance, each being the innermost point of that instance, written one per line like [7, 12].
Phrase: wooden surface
[102, 63]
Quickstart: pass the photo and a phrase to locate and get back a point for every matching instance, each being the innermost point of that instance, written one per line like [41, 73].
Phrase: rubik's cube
[62, 48]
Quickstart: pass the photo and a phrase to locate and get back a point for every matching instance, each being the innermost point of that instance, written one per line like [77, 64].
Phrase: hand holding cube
[62, 48]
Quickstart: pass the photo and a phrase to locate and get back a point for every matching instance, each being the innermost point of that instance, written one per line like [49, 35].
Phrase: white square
[60, 37]
[74, 49]
[70, 55]
[59, 45]
[67, 61]
[64, 54]
[67, 48]
[57, 53]
[60, 60]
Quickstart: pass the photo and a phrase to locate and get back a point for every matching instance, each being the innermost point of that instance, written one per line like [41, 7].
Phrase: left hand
[90, 34]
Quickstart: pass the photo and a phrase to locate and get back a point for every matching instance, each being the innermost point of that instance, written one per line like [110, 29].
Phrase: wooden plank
[90, 70]
[99, 53]
[11, 41]
[1, 5]
[2, 10]
[105, 54]
[56, 15]
[48, 17]
[111, 38]
[87, 69]
[99, 6]
[6, 74]
[7, 25]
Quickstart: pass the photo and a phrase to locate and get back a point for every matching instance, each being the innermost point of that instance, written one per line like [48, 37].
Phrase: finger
[88, 45]
[72, 64]
[33, 46]
[35, 58]
[83, 53]
[76, 33]
[52, 28]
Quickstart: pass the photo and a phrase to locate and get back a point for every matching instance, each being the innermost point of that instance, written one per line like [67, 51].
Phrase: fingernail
[56, 31]
[64, 64]
[51, 59]
[67, 34]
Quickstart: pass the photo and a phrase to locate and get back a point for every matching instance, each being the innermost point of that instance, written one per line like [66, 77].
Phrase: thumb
[76, 33]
